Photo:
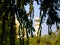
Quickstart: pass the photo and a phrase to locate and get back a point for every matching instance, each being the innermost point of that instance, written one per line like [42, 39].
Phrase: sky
[36, 14]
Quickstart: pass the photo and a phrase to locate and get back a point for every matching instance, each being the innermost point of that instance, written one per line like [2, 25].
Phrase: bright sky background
[36, 14]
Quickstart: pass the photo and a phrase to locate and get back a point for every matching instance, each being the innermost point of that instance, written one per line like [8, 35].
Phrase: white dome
[37, 18]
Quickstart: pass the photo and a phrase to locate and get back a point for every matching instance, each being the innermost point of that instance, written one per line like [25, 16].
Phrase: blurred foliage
[53, 39]
[9, 8]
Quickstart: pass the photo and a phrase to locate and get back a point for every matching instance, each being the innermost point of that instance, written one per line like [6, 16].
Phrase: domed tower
[36, 24]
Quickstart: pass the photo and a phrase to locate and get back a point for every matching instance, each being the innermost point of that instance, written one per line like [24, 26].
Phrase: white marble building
[36, 24]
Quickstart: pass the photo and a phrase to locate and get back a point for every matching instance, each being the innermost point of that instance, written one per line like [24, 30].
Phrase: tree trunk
[31, 33]
[27, 42]
[3, 35]
[20, 28]
[4, 31]
[49, 29]
[12, 28]
[23, 36]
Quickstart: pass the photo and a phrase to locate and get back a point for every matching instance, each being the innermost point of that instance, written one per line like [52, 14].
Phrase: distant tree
[17, 7]
[50, 7]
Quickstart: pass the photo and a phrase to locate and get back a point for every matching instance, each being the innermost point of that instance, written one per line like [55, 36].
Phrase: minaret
[36, 24]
